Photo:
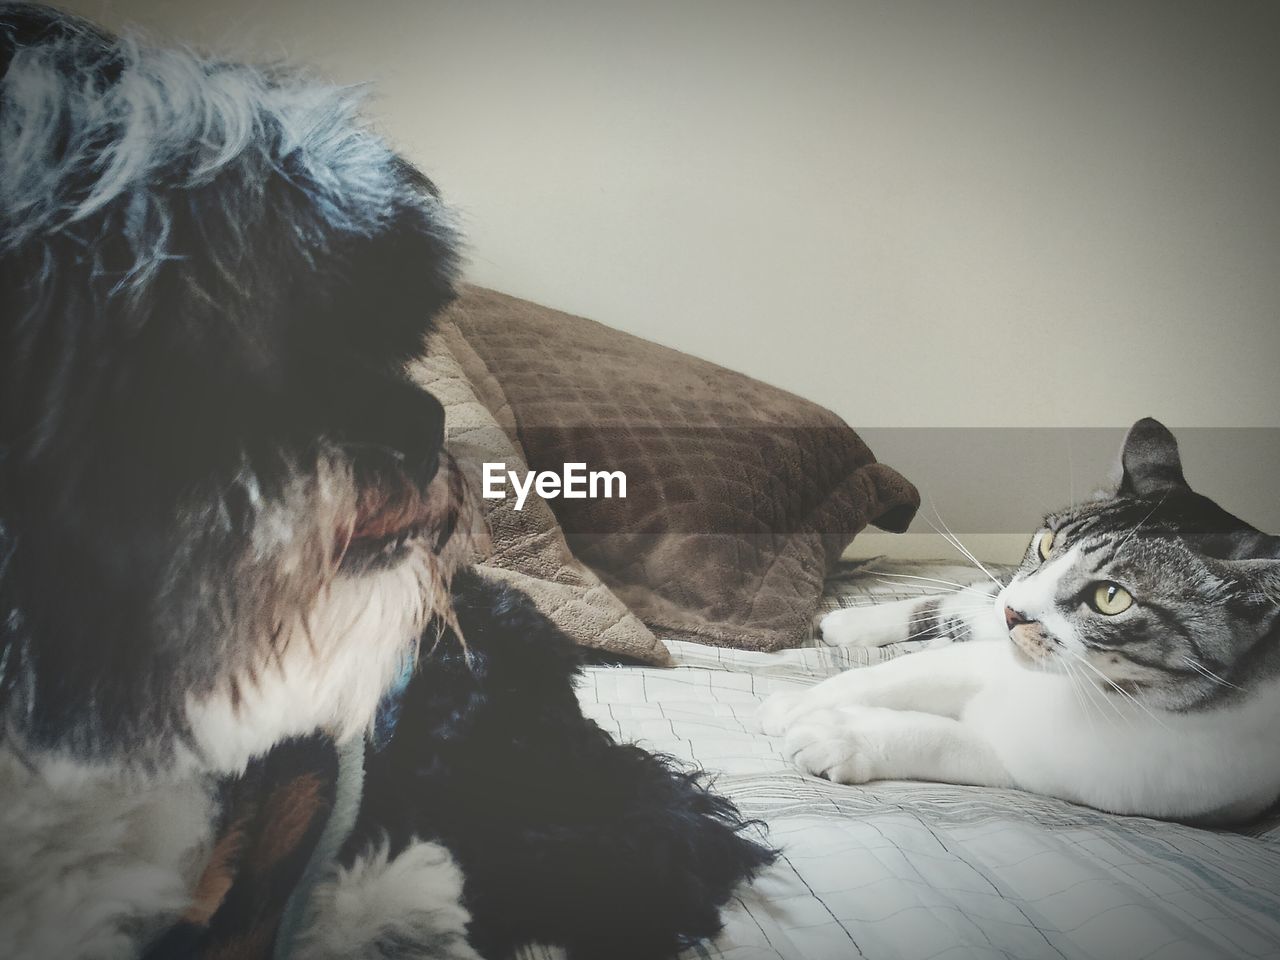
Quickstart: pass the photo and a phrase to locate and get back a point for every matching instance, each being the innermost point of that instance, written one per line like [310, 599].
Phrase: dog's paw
[862, 627]
[777, 712]
[383, 906]
[844, 745]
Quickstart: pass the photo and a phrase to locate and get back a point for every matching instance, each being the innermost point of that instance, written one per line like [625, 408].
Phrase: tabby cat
[1132, 664]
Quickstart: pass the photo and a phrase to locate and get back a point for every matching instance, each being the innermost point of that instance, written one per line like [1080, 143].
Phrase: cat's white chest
[1060, 738]
[1037, 726]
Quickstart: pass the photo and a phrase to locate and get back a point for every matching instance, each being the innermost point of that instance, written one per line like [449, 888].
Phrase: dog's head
[223, 510]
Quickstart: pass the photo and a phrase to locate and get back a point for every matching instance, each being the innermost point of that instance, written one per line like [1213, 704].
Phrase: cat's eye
[1111, 598]
[1045, 544]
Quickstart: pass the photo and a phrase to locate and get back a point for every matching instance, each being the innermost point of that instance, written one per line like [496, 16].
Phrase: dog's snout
[397, 416]
[415, 427]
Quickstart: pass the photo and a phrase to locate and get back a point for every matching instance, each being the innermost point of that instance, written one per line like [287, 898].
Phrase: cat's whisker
[916, 634]
[1107, 680]
[1081, 689]
[1120, 690]
[929, 618]
[1071, 473]
[910, 576]
[952, 539]
[1089, 688]
[932, 627]
[1138, 526]
[969, 588]
[933, 617]
[1073, 681]
[955, 541]
[1102, 704]
[923, 631]
[923, 591]
[924, 597]
[960, 602]
[961, 605]
[1209, 674]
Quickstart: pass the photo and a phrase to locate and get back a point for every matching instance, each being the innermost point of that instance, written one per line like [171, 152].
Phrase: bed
[921, 870]
[742, 494]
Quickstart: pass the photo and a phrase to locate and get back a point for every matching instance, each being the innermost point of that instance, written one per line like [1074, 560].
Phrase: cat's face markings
[1152, 592]
[1118, 595]
[1039, 631]
[1076, 606]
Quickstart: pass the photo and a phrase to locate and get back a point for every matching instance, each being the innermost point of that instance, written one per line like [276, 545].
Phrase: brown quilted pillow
[528, 549]
[740, 496]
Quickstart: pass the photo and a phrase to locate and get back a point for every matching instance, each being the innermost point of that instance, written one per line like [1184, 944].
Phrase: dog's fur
[227, 519]
[563, 835]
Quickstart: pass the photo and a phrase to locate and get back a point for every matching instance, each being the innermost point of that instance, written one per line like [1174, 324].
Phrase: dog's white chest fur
[95, 864]
[92, 862]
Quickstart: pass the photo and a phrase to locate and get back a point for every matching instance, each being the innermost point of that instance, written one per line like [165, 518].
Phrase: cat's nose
[1012, 618]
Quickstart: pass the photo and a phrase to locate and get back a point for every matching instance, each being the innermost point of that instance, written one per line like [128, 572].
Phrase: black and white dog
[227, 524]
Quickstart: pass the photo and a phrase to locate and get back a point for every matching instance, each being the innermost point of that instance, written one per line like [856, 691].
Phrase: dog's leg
[381, 906]
[564, 836]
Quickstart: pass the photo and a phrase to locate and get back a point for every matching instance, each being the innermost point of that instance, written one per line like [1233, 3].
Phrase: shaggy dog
[246, 707]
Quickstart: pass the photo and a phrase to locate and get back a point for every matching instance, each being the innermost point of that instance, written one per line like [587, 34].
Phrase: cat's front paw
[872, 626]
[777, 711]
[842, 745]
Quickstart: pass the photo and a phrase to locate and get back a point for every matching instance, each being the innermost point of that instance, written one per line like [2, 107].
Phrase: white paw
[844, 745]
[379, 906]
[859, 627]
[777, 711]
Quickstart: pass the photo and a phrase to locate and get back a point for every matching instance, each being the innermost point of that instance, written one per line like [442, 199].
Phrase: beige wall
[985, 213]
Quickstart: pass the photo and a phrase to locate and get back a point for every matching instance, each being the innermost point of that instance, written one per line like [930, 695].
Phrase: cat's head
[1153, 591]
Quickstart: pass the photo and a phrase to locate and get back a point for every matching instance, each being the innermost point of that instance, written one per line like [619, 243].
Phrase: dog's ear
[25, 25]
[32, 24]
[398, 276]
[73, 44]
[202, 276]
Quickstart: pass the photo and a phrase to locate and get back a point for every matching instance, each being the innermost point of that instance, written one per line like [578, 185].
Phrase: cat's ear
[1149, 461]
[1263, 575]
